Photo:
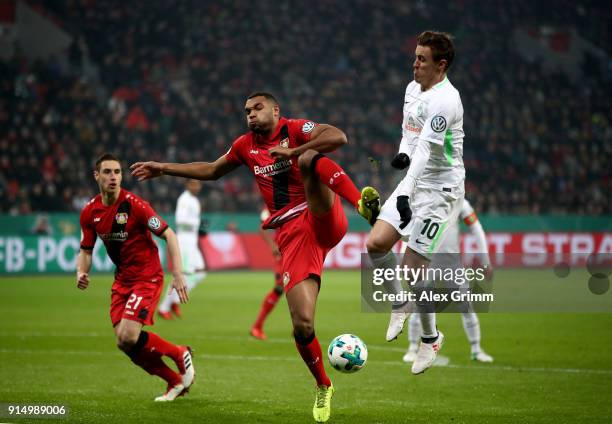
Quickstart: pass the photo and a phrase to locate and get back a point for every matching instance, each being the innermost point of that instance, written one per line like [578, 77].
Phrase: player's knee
[305, 160]
[126, 340]
[377, 245]
[303, 328]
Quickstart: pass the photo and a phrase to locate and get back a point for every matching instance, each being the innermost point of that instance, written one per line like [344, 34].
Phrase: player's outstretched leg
[431, 338]
[380, 241]
[367, 202]
[146, 349]
[268, 304]
[301, 300]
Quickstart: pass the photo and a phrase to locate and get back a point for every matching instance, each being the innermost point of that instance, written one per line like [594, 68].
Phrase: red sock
[163, 347]
[333, 176]
[312, 356]
[152, 363]
[267, 305]
[159, 368]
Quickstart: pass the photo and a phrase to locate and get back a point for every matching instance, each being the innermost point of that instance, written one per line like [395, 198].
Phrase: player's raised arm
[197, 170]
[83, 268]
[178, 279]
[324, 138]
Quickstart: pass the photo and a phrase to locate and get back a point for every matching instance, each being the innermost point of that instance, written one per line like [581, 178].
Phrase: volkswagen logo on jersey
[438, 123]
[308, 127]
[121, 218]
[154, 223]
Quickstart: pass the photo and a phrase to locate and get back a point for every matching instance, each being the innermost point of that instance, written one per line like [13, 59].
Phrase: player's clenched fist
[82, 280]
[146, 170]
[405, 213]
[279, 152]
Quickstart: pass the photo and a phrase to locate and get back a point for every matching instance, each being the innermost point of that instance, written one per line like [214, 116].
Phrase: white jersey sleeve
[408, 127]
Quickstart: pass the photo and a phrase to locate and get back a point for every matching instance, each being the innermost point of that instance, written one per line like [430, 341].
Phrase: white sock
[428, 324]
[428, 319]
[388, 261]
[471, 325]
[414, 330]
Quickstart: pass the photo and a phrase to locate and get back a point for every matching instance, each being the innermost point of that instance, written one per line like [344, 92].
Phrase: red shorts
[305, 241]
[136, 302]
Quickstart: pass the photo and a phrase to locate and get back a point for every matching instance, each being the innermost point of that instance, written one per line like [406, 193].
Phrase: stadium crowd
[174, 77]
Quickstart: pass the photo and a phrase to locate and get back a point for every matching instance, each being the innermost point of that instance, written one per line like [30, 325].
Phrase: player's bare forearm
[83, 268]
[178, 279]
[205, 171]
[173, 250]
[324, 139]
[198, 170]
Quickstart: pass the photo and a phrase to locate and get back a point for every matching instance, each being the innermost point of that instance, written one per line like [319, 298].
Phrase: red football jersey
[279, 180]
[125, 228]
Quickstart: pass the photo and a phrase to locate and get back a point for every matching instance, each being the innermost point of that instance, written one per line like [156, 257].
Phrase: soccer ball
[347, 353]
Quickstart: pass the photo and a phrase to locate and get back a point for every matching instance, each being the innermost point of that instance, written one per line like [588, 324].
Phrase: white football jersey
[187, 215]
[436, 116]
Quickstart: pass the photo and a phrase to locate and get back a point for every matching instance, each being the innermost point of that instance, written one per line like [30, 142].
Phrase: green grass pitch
[57, 347]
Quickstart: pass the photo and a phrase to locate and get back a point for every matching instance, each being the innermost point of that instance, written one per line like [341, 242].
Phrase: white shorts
[191, 255]
[433, 210]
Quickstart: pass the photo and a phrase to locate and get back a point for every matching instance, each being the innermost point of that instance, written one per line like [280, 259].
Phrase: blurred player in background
[471, 325]
[125, 222]
[301, 188]
[431, 194]
[274, 295]
[188, 220]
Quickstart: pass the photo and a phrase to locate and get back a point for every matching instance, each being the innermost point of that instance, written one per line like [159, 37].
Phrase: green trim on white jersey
[437, 238]
[448, 146]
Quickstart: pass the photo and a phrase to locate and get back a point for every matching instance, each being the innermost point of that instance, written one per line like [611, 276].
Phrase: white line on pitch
[294, 359]
[93, 334]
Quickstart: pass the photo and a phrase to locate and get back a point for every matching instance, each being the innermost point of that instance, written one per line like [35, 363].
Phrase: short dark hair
[441, 45]
[106, 156]
[264, 94]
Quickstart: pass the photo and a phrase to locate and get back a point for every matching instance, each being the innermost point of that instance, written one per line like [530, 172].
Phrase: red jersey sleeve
[147, 215]
[88, 234]
[301, 129]
[234, 154]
